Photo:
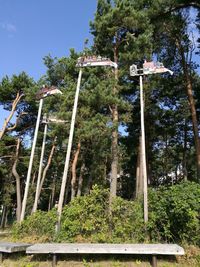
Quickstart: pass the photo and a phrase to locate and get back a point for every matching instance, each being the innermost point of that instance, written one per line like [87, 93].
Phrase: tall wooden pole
[144, 166]
[28, 178]
[66, 168]
[40, 169]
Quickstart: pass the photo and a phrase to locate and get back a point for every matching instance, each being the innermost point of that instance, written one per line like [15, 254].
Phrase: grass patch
[191, 258]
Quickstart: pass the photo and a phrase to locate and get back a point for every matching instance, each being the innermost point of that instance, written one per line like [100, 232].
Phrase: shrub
[127, 221]
[174, 213]
[87, 219]
[39, 226]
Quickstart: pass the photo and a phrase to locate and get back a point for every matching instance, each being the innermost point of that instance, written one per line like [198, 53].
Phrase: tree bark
[6, 218]
[185, 153]
[53, 191]
[67, 198]
[189, 90]
[114, 146]
[13, 109]
[89, 184]
[47, 166]
[33, 178]
[80, 180]
[3, 217]
[18, 182]
[74, 164]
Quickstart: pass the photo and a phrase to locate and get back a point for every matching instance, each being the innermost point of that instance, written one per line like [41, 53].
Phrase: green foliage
[127, 221]
[10, 86]
[88, 219]
[39, 226]
[174, 213]
[124, 24]
[127, 32]
[173, 217]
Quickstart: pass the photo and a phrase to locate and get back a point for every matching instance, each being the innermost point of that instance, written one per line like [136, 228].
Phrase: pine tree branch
[175, 7]
[16, 123]
[7, 156]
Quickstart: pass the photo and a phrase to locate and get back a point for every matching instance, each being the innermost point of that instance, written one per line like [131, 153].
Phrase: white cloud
[9, 27]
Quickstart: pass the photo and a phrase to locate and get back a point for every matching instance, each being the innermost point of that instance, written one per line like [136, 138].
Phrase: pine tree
[122, 32]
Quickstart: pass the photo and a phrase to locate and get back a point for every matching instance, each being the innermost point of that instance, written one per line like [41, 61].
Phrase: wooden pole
[66, 168]
[144, 165]
[154, 261]
[40, 169]
[28, 178]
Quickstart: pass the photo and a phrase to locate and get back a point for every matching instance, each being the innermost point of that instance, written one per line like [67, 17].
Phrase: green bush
[88, 219]
[174, 213]
[127, 221]
[38, 226]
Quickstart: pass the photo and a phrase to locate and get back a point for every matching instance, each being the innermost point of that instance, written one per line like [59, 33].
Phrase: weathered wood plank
[82, 248]
[9, 247]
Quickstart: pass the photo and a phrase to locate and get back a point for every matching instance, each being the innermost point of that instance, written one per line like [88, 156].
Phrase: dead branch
[13, 109]
[17, 178]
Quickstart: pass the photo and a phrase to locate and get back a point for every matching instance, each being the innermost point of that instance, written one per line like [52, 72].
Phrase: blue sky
[32, 29]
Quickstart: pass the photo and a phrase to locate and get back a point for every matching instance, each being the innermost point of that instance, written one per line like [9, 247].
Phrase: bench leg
[1, 257]
[154, 261]
[54, 260]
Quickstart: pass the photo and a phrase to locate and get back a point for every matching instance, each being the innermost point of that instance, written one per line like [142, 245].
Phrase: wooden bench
[82, 248]
[9, 247]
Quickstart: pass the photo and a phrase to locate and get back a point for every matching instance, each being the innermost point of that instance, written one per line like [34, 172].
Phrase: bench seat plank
[85, 248]
[9, 247]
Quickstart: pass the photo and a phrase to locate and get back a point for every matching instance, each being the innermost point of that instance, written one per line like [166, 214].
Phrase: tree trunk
[53, 191]
[6, 218]
[89, 184]
[33, 178]
[185, 153]
[74, 164]
[14, 105]
[3, 217]
[188, 84]
[17, 178]
[194, 124]
[114, 146]
[47, 167]
[49, 204]
[80, 180]
[40, 168]
[66, 196]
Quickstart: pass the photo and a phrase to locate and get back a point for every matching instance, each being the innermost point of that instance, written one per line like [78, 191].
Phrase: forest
[103, 194]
